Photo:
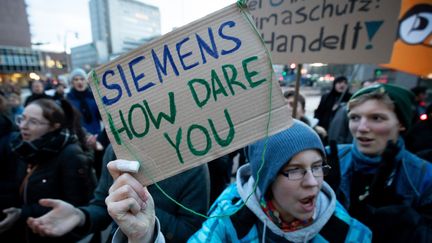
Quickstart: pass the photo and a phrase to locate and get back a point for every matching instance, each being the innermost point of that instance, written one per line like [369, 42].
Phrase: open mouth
[308, 203]
[307, 199]
[364, 140]
[25, 136]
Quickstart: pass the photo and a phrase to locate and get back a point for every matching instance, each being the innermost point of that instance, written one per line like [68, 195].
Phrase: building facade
[14, 24]
[19, 63]
[118, 26]
[16, 63]
[90, 55]
[123, 24]
[17, 59]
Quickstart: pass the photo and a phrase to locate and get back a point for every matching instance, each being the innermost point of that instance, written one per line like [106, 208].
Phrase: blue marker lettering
[113, 86]
[158, 65]
[135, 78]
[202, 45]
[124, 80]
[183, 56]
[228, 37]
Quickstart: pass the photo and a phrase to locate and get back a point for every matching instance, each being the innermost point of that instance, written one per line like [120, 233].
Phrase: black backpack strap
[335, 230]
[243, 221]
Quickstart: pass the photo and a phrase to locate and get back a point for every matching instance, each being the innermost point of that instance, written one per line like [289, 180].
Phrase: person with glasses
[382, 184]
[280, 196]
[51, 162]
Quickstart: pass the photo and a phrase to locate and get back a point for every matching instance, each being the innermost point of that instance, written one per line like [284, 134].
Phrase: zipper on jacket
[23, 191]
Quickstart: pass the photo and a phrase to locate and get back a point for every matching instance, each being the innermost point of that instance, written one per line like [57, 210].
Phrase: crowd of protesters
[358, 171]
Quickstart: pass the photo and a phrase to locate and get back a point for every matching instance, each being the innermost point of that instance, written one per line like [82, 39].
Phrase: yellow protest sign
[329, 31]
[191, 96]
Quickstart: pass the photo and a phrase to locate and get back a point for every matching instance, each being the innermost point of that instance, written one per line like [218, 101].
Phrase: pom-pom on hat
[281, 147]
[402, 98]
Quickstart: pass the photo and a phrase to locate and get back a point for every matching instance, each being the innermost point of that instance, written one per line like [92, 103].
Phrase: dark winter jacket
[86, 105]
[339, 127]
[34, 97]
[68, 176]
[328, 106]
[397, 204]
[190, 188]
[419, 139]
[8, 182]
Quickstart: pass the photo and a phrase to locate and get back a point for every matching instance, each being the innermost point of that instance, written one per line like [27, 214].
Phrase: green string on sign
[242, 5]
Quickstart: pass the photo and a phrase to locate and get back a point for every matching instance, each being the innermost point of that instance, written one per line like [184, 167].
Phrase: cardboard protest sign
[191, 96]
[413, 47]
[329, 31]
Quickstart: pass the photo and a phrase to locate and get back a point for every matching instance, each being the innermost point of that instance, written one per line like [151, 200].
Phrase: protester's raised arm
[130, 204]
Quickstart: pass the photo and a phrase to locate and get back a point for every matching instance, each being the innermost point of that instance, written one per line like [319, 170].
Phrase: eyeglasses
[298, 174]
[32, 122]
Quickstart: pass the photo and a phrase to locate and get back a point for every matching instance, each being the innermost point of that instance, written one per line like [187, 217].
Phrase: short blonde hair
[379, 96]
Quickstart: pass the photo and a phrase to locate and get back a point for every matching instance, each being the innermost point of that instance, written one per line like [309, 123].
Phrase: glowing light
[59, 65]
[423, 117]
[318, 64]
[34, 76]
[50, 63]
[15, 77]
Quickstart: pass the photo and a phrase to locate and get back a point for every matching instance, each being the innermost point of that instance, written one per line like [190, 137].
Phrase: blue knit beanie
[281, 147]
[77, 72]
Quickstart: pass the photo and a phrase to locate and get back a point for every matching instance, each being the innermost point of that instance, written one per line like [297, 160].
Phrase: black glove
[382, 190]
[334, 176]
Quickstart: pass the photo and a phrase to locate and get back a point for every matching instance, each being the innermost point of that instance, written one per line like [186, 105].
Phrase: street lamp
[75, 34]
[68, 62]
[40, 43]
